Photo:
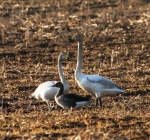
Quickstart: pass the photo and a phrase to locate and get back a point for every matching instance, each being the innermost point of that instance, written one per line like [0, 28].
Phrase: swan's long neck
[61, 75]
[79, 58]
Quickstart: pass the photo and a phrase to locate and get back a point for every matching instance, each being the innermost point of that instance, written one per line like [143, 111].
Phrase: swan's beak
[71, 38]
[66, 57]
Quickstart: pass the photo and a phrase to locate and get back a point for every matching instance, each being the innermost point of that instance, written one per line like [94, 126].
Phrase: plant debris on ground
[116, 45]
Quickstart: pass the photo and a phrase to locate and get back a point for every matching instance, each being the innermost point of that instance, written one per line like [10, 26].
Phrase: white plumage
[96, 84]
[45, 91]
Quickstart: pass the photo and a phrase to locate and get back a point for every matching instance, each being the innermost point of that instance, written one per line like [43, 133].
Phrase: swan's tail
[32, 95]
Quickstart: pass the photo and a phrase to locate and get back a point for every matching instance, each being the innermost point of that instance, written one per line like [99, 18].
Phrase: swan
[70, 100]
[96, 84]
[45, 91]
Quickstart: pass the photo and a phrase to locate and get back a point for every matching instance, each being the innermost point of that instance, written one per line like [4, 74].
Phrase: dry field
[116, 45]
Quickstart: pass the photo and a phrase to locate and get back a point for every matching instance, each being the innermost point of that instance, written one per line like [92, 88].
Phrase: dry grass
[116, 45]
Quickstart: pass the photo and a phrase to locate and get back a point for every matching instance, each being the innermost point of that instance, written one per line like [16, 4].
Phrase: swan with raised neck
[96, 84]
[45, 91]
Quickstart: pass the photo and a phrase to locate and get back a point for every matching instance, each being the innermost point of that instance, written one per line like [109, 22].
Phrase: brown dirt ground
[116, 45]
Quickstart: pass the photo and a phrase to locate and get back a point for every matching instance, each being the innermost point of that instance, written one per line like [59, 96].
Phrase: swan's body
[45, 91]
[96, 84]
[70, 100]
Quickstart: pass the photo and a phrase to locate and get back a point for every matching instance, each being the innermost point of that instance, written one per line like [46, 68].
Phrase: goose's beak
[54, 85]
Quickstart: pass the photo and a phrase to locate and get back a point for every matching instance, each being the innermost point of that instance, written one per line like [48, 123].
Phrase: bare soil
[116, 45]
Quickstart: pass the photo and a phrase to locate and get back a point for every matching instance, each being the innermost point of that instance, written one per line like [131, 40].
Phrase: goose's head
[58, 84]
[63, 56]
[77, 37]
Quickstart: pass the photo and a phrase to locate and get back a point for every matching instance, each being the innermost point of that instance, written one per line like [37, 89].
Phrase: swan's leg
[49, 105]
[96, 102]
[100, 101]
[53, 105]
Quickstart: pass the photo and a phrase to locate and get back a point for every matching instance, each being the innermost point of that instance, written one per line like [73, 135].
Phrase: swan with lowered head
[96, 84]
[70, 100]
[45, 91]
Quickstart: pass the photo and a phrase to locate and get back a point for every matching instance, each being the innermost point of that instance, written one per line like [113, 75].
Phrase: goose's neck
[79, 58]
[60, 92]
[61, 75]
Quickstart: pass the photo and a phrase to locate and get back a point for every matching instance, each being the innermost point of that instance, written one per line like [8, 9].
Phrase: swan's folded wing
[102, 80]
[46, 85]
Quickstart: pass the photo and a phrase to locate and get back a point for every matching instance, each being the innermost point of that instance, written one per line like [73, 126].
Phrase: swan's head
[78, 38]
[63, 56]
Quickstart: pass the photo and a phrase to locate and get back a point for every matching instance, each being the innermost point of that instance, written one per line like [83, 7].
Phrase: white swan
[96, 84]
[45, 91]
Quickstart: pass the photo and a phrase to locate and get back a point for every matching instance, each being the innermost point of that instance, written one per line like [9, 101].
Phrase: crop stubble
[116, 45]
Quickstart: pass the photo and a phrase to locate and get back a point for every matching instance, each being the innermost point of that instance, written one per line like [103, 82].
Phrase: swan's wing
[74, 97]
[106, 83]
[45, 85]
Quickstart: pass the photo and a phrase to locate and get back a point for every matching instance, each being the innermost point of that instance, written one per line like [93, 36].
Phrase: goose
[45, 91]
[70, 100]
[96, 84]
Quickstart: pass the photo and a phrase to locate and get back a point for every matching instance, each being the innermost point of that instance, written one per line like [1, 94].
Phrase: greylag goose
[96, 84]
[45, 91]
[70, 100]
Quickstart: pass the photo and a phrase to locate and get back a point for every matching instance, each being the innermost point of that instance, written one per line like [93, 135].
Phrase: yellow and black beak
[71, 39]
[66, 56]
